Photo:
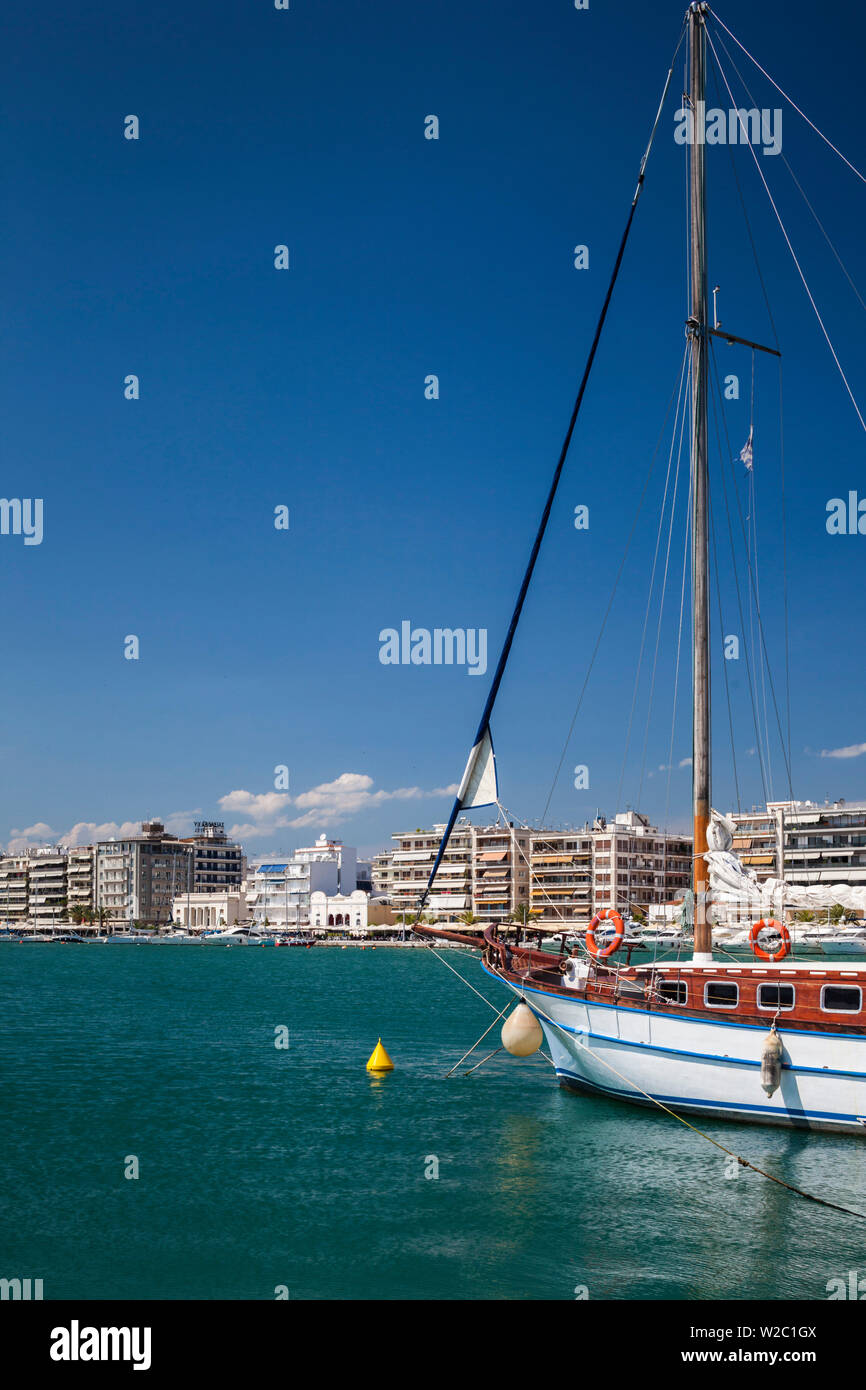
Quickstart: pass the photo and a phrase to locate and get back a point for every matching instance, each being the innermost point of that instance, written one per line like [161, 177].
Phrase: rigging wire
[715, 551]
[754, 583]
[766, 655]
[661, 609]
[854, 170]
[798, 185]
[783, 508]
[607, 610]
[751, 682]
[788, 242]
[639, 666]
[686, 553]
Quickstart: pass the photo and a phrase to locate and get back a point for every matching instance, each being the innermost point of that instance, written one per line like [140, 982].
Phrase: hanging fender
[607, 914]
[780, 927]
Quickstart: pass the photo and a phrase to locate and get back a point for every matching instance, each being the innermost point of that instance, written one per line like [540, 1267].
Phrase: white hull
[703, 1067]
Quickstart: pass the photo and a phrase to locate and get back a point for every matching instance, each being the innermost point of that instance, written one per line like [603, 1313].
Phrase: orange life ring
[607, 914]
[783, 932]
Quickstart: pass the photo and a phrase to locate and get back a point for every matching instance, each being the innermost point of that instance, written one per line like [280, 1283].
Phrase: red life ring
[607, 914]
[783, 932]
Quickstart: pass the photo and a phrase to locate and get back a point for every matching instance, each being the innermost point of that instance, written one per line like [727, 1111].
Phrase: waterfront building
[411, 862]
[80, 880]
[14, 887]
[500, 871]
[333, 910]
[137, 880]
[802, 842]
[218, 863]
[47, 888]
[282, 890]
[326, 851]
[561, 878]
[637, 865]
[381, 873]
[209, 909]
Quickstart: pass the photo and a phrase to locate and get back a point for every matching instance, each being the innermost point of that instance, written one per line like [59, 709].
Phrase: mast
[698, 327]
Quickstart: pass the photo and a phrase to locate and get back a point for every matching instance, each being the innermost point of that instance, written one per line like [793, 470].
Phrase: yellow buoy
[521, 1032]
[380, 1061]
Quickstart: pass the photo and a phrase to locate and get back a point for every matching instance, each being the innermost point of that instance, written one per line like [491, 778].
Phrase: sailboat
[765, 1040]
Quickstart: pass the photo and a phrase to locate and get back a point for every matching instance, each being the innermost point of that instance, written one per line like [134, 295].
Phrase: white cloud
[261, 813]
[89, 832]
[853, 750]
[327, 804]
[38, 834]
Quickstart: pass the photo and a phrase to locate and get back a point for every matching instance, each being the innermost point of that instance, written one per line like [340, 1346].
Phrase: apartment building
[281, 891]
[804, 842]
[14, 887]
[634, 864]
[80, 880]
[326, 851]
[411, 862]
[561, 878]
[138, 879]
[500, 871]
[47, 888]
[217, 862]
[381, 873]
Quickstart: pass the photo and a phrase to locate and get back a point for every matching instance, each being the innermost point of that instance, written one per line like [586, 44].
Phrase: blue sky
[305, 388]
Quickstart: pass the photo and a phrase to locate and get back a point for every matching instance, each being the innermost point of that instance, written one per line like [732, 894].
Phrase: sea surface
[265, 1169]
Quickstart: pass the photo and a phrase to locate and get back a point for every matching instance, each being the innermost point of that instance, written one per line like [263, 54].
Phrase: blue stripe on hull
[735, 1109]
[797, 1070]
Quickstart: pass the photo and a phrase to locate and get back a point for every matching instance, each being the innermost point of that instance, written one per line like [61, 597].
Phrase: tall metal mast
[698, 331]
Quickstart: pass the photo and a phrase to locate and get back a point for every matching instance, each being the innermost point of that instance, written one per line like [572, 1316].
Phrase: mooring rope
[481, 1039]
[744, 1162]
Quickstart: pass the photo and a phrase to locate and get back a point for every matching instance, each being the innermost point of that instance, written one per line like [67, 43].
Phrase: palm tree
[522, 914]
[468, 919]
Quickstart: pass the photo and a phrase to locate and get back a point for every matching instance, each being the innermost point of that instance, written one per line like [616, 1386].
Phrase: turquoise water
[262, 1167]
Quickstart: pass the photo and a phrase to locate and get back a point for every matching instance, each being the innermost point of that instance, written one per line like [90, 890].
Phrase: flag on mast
[746, 453]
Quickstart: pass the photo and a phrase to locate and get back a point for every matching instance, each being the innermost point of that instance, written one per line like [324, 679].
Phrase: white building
[47, 891]
[200, 911]
[282, 890]
[14, 882]
[334, 910]
[326, 851]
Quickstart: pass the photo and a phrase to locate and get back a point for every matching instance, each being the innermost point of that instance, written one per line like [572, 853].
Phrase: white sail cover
[478, 786]
[731, 882]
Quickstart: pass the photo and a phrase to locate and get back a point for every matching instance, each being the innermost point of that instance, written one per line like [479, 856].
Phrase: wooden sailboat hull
[702, 1066]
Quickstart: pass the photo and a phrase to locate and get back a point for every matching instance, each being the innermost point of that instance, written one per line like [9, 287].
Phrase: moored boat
[771, 1039]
